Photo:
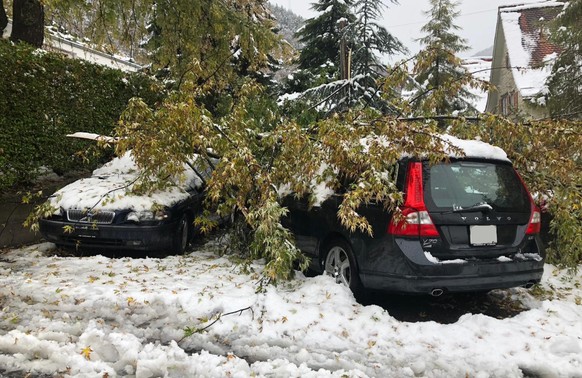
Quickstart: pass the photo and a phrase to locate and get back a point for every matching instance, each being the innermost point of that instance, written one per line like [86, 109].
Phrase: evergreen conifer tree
[369, 39]
[565, 83]
[440, 78]
[321, 35]
[364, 39]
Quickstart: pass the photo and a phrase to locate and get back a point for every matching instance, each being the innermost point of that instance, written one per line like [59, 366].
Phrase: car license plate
[483, 235]
[83, 231]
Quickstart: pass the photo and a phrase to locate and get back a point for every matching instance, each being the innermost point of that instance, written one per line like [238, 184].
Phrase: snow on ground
[96, 316]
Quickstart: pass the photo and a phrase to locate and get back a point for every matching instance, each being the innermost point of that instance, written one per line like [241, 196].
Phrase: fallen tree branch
[438, 117]
[189, 331]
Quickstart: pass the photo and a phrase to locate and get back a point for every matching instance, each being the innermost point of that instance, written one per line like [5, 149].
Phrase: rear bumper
[519, 275]
[109, 237]
[405, 267]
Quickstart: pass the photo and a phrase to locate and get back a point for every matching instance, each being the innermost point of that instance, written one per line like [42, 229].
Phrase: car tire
[340, 264]
[182, 235]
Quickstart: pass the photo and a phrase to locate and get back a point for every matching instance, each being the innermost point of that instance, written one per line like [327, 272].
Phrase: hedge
[45, 96]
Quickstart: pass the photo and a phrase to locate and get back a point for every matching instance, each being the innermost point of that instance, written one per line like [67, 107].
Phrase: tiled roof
[533, 23]
[525, 28]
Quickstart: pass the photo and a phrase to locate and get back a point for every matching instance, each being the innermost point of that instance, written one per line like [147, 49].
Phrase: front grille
[83, 216]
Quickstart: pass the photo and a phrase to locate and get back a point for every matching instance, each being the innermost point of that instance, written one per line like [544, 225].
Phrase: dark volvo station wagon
[469, 224]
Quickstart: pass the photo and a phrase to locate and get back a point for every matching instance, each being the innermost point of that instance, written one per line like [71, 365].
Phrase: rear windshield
[462, 184]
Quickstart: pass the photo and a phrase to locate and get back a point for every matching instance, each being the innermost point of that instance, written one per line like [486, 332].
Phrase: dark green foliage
[44, 97]
[441, 80]
[321, 35]
[369, 41]
[565, 83]
[352, 26]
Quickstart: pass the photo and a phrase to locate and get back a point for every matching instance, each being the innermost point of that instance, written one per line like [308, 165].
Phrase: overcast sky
[477, 19]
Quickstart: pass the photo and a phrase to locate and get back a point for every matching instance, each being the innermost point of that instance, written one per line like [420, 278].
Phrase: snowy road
[98, 316]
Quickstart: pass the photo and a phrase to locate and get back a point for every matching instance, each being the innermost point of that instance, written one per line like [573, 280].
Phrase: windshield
[464, 184]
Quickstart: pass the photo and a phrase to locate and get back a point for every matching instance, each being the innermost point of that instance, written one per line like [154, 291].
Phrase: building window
[508, 103]
[503, 104]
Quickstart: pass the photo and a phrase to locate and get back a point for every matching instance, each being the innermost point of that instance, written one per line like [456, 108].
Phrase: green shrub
[45, 96]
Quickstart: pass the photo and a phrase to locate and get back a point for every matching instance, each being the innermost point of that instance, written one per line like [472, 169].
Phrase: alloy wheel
[337, 265]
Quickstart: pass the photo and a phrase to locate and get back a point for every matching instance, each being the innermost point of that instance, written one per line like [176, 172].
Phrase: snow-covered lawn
[103, 317]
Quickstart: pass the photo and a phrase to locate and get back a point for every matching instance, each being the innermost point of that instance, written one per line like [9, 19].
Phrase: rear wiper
[477, 207]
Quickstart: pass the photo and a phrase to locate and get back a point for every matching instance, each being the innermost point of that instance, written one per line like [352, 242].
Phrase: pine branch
[330, 96]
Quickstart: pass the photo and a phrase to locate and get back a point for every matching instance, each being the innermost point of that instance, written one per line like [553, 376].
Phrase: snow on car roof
[476, 149]
[108, 189]
[471, 148]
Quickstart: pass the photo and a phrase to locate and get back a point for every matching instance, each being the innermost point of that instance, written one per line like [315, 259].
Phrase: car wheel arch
[333, 243]
[324, 244]
[177, 246]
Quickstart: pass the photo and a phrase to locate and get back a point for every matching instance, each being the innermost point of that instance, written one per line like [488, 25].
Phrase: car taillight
[535, 220]
[415, 218]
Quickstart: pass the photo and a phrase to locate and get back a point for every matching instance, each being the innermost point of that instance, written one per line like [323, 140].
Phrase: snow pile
[108, 189]
[96, 316]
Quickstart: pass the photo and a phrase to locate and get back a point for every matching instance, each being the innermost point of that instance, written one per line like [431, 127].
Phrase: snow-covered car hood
[109, 189]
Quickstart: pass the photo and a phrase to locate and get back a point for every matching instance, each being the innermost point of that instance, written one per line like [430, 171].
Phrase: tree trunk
[28, 23]
[3, 18]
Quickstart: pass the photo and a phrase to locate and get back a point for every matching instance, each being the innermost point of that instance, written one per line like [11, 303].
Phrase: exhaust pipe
[529, 284]
[436, 292]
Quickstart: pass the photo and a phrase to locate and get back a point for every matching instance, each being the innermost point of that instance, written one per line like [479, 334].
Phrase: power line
[460, 16]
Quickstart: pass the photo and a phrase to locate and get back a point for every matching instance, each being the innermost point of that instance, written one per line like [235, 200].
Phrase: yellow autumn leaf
[86, 352]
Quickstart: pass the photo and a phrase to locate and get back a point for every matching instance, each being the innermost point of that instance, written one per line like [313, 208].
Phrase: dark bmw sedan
[468, 224]
[101, 212]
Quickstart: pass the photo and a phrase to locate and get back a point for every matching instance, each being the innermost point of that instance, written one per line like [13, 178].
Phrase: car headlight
[144, 216]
